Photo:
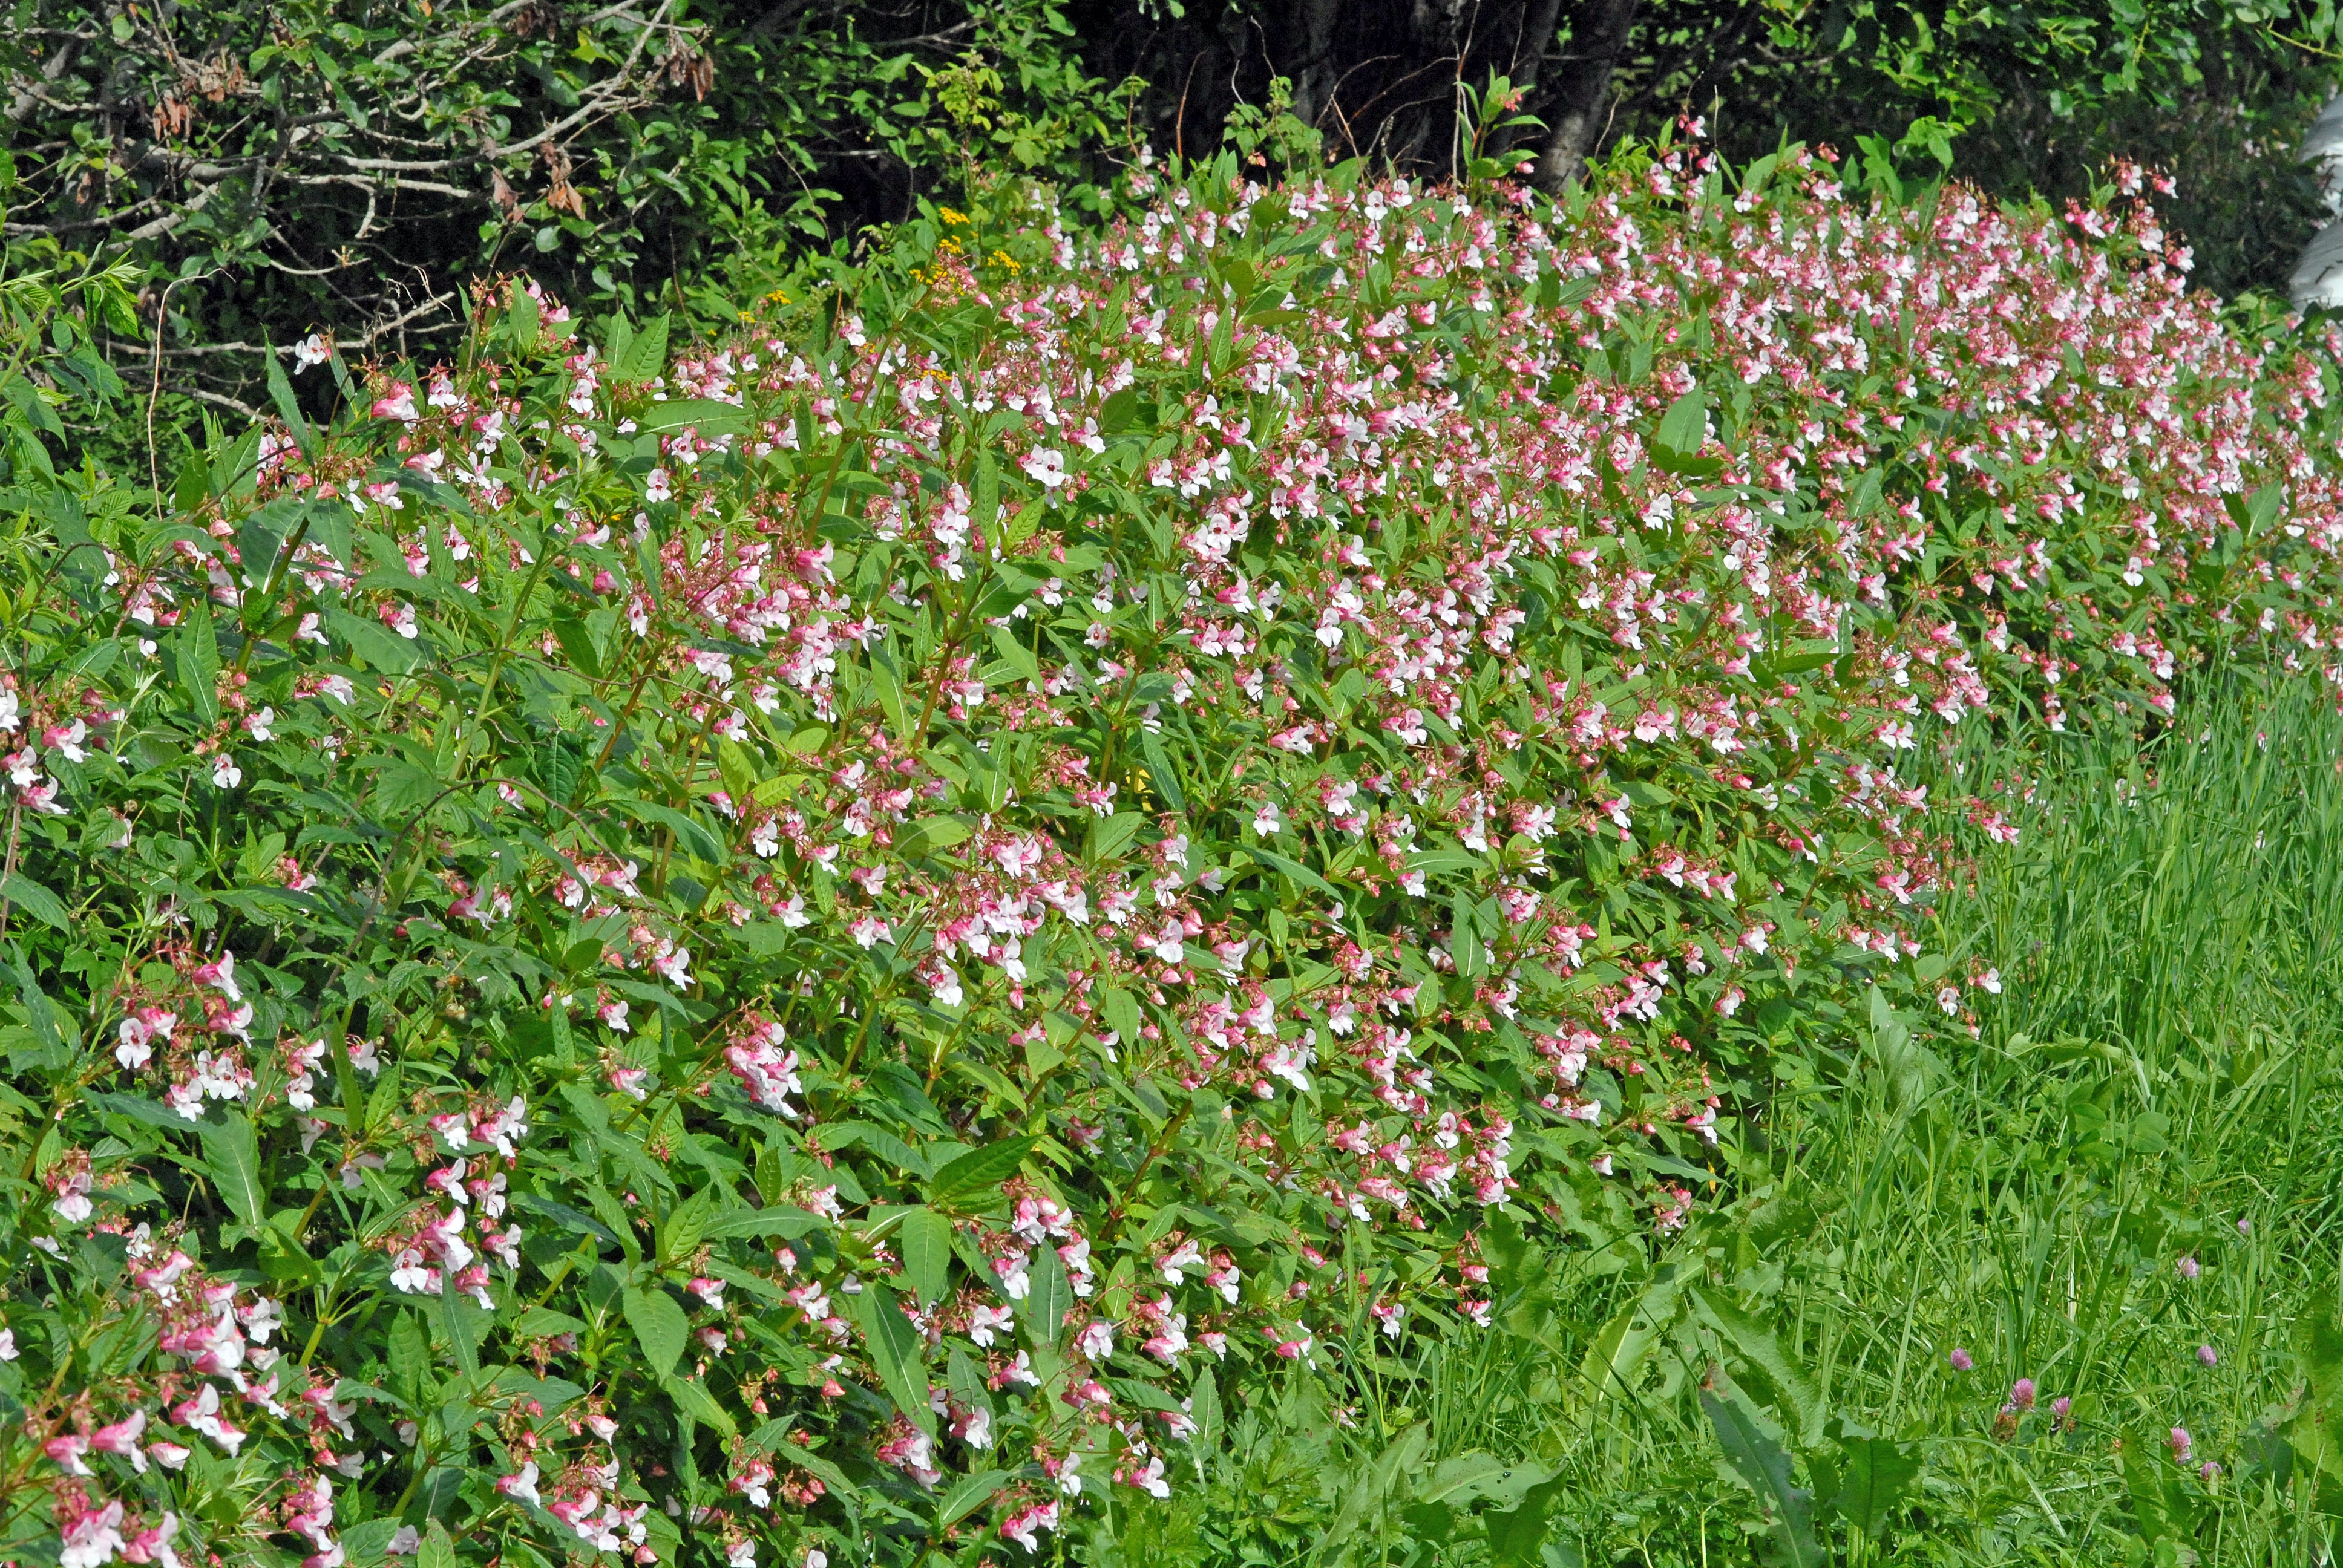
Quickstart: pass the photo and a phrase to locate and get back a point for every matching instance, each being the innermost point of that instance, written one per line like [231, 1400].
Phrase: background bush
[354, 167]
[885, 938]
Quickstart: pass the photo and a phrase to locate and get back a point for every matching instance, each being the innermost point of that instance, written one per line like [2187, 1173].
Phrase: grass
[2163, 1066]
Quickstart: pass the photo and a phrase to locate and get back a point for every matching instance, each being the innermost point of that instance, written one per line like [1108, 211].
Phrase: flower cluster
[929, 892]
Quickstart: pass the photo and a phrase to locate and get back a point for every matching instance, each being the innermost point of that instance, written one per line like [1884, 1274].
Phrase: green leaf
[1160, 775]
[931, 834]
[787, 1221]
[692, 835]
[774, 1436]
[1122, 1014]
[926, 1245]
[1110, 834]
[35, 899]
[460, 1340]
[645, 352]
[543, 1323]
[1517, 1538]
[288, 408]
[1685, 427]
[660, 1325]
[1877, 1474]
[375, 643]
[1616, 1357]
[197, 650]
[1762, 1463]
[972, 1492]
[1295, 870]
[702, 1406]
[578, 644]
[232, 1159]
[894, 1349]
[1371, 1483]
[436, 1549]
[1048, 1300]
[979, 1170]
[568, 1218]
[1801, 1401]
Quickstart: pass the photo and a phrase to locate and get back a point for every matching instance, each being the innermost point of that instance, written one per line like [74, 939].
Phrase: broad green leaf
[436, 1549]
[197, 646]
[1049, 1296]
[376, 644]
[787, 1221]
[981, 1170]
[970, 1494]
[1876, 1475]
[232, 1159]
[929, 835]
[1295, 870]
[894, 1349]
[691, 836]
[452, 1316]
[1685, 427]
[1760, 1460]
[924, 1241]
[1614, 1360]
[645, 352]
[1518, 1536]
[1802, 1400]
[1160, 775]
[35, 899]
[659, 1324]
[1370, 1482]
[1110, 834]
[702, 1406]
[578, 643]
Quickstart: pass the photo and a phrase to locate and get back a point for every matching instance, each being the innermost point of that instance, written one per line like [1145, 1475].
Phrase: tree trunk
[1314, 80]
[1581, 94]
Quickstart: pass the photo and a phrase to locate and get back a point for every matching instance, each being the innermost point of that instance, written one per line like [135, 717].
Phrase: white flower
[1046, 466]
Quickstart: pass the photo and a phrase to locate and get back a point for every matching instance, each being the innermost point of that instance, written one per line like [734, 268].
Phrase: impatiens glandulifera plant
[836, 943]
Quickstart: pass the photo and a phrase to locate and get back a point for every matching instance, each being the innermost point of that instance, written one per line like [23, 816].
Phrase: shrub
[845, 942]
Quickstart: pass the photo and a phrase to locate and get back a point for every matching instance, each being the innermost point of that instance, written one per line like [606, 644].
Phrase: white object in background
[2318, 278]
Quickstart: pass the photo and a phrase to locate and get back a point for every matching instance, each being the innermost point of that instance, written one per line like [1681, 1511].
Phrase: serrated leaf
[197, 650]
[971, 1492]
[1762, 1463]
[578, 644]
[787, 1221]
[377, 645]
[1685, 427]
[1160, 775]
[232, 1159]
[1048, 1297]
[691, 836]
[1802, 1400]
[660, 1325]
[645, 352]
[35, 899]
[979, 1169]
[288, 408]
[1877, 1473]
[895, 1352]
[452, 1303]
[925, 1243]
[693, 1398]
